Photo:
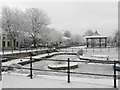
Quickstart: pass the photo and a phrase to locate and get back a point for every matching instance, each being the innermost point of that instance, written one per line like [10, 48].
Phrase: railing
[108, 49]
[68, 69]
[19, 50]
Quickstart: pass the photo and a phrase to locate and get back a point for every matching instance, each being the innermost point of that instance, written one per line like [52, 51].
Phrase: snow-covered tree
[78, 39]
[51, 35]
[36, 19]
[89, 32]
[110, 40]
[11, 23]
[117, 38]
[67, 34]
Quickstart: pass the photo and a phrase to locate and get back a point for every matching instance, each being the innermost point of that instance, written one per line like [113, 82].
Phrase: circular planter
[73, 65]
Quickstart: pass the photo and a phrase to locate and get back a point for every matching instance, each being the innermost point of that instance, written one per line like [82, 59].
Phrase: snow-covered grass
[112, 53]
[45, 81]
[92, 68]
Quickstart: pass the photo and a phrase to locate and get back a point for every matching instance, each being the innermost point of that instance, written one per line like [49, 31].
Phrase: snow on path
[45, 81]
[23, 59]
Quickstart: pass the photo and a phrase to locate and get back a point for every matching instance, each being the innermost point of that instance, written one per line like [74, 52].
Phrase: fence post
[44, 47]
[93, 49]
[86, 49]
[12, 50]
[31, 66]
[101, 49]
[116, 48]
[48, 53]
[114, 74]
[26, 49]
[108, 49]
[3, 50]
[68, 70]
[19, 49]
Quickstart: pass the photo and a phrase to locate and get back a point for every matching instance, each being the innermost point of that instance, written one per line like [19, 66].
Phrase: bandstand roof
[95, 35]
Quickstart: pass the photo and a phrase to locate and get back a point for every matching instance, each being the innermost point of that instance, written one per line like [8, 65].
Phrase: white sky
[77, 17]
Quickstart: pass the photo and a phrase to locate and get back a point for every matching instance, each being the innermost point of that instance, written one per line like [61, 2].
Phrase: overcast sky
[77, 17]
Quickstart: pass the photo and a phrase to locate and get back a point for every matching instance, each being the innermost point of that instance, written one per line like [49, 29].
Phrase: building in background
[96, 40]
[4, 39]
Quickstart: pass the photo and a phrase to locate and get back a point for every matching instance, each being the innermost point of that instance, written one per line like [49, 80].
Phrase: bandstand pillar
[100, 42]
[91, 42]
[105, 42]
[87, 42]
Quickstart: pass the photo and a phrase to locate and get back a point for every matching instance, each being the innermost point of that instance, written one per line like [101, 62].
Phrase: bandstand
[96, 40]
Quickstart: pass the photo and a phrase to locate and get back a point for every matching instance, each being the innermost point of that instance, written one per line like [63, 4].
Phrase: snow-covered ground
[23, 59]
[45, 81]
[27, 59]
[111, 52]
[59, 80]
[82, 67]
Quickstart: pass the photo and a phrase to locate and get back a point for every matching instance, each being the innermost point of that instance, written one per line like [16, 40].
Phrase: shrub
[80, 52]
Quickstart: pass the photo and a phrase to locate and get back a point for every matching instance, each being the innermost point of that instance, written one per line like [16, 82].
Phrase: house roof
[96, 33]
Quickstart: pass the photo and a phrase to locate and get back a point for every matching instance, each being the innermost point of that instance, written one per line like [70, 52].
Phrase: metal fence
[115, 76]
[19, 50]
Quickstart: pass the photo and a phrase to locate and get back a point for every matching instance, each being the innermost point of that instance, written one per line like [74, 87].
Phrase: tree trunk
[34, 42]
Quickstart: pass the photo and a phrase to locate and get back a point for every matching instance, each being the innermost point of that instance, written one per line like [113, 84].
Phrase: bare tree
[117, 38]
[110, 40]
